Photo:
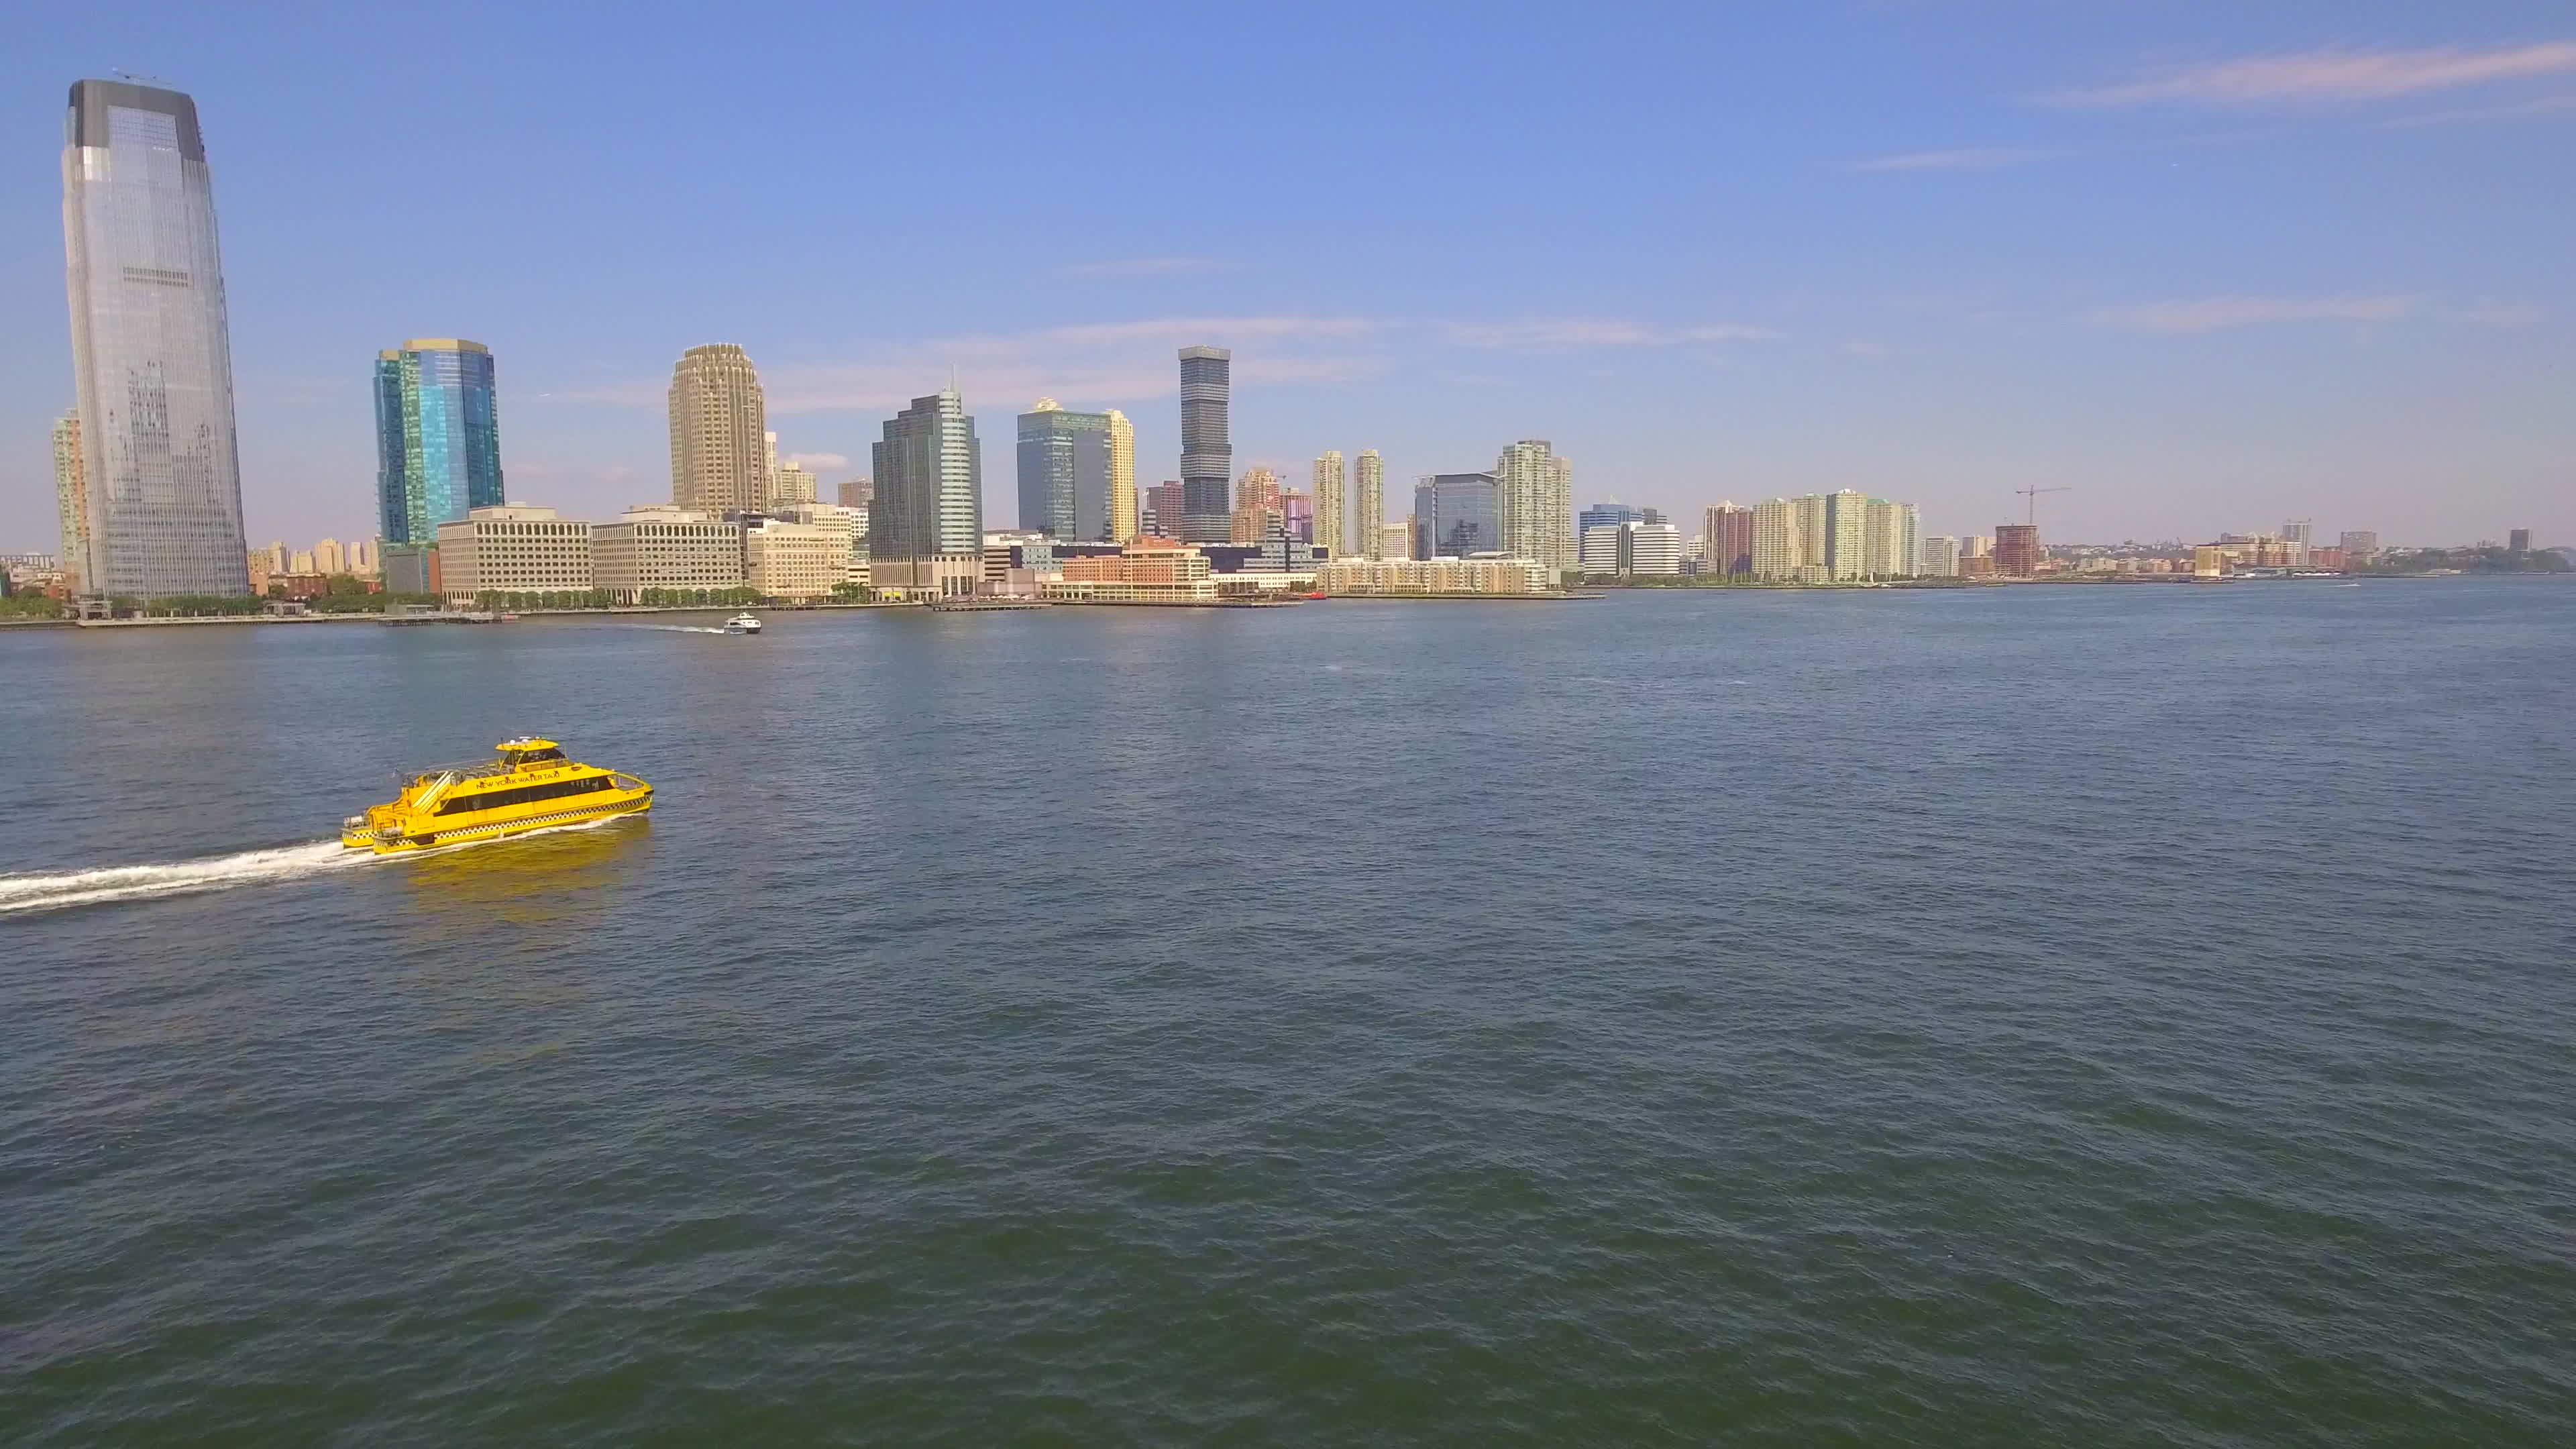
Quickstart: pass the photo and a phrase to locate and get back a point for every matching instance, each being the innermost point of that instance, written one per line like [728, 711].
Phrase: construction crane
[2032, 493]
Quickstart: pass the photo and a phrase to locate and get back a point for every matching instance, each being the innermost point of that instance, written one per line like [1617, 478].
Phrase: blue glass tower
[438, 436]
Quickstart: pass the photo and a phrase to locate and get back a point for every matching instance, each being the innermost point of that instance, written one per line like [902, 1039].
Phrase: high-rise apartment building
[1846, 534]
[2298, 531]
[2518, 540]
[1727, 534]
[1331, 486]
[720, 440]
[1461, 514]
[1123, 522]
[1368, 510]
[151, 349]
[2359, 546]
[1067, 472]
[71, 499]
[1890, 545]
[1535, 489]
[1779, 538]
[1394, 540]
[438, 436]
[1165, 503]
[855, 493]
[2016, 550]
[1256, 507]
[1297, 514]
[926, 528]
[1207, 448]
[1940, 557]
[790, 485]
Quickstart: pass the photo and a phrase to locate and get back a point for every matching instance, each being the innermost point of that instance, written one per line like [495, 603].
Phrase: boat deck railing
[472, 770]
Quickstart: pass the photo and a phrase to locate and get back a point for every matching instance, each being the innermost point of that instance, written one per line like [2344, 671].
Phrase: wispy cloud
[1104, 364]
[2212, 314]
[1090, 365]
[2333, 75]
[1142, 267]
[1969, 158]
[1554, 334]
[2536, 109]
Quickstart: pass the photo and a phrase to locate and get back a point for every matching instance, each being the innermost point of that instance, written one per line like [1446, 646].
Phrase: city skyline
[2060, 312]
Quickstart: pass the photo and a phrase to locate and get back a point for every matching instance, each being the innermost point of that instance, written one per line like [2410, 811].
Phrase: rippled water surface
[2089, 1017]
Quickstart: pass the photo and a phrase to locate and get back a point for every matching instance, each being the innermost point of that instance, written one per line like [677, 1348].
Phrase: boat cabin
[526, 753]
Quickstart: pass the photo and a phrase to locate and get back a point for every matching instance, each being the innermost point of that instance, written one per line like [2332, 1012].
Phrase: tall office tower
[1976, 545]
[1608, 514]
[1256, 507]
[2518, 540]
[1846, 533]
[857, 492]
[1940, 557]
[71, 499]
[2016, 550]
[1164, 501]
[1207, 452]
[1729, 534]
[438, 436]
[2359, 546]
[930, 492]
[1890, 548]
[1459, 514]
[1123, 524]
[1536, 493]
[768, 463]
[719, 432]
[1065, 472]
[1779, 538]
[151, 350]
[1368, 511]
[1331, 487]
[1297, 514]
[2297, 530]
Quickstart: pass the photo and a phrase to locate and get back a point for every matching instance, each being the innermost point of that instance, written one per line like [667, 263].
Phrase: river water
[2031, 1016]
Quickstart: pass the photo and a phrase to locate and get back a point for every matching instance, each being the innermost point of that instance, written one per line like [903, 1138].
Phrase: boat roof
[526, 742]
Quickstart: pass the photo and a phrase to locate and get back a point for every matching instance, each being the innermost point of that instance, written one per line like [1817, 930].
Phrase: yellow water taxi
[531, 786]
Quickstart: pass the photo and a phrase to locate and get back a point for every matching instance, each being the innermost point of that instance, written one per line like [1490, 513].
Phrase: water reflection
[534, 883]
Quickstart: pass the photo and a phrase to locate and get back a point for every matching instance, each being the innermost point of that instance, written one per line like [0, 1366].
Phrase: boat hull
[438, 834]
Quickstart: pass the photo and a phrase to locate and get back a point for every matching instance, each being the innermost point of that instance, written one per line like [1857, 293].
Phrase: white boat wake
[54, 890]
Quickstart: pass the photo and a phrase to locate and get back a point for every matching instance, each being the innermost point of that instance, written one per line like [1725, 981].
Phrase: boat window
[525, 794]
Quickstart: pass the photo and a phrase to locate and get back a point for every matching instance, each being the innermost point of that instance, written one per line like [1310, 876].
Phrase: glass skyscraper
[1066, 472]
[1207, 451]
[151, 352]
[930, 484]
[438, 436]
[1458, 514]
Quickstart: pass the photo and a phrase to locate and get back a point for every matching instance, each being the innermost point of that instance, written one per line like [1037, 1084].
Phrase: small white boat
[742, 624]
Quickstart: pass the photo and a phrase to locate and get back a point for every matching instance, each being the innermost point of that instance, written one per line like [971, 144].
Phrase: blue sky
[2207, 265]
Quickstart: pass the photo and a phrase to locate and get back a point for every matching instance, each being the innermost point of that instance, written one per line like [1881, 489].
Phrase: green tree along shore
[2470, 561]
